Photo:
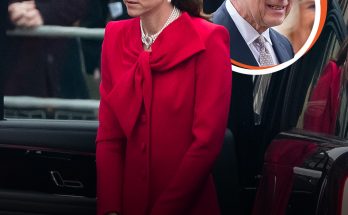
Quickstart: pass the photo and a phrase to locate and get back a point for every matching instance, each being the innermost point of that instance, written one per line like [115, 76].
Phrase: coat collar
[177, 43]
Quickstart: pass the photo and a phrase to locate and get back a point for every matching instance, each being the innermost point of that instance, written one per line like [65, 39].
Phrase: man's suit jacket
[249, 137]
[239, 48]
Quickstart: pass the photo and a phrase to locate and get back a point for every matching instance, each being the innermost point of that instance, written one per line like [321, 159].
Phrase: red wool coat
[162, 117]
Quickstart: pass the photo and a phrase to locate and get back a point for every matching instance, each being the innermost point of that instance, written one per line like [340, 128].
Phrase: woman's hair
[342, 53]
[192, 7]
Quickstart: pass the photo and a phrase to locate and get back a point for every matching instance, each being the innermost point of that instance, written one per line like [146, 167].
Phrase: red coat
[162, 117]
[323, 105]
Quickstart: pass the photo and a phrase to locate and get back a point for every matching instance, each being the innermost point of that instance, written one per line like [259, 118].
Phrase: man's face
[262, 14]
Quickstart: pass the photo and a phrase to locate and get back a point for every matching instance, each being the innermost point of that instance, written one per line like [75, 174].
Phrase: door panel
[12, 202]
[47, 166]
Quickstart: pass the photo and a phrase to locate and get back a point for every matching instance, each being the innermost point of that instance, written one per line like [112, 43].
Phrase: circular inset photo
[268, 36]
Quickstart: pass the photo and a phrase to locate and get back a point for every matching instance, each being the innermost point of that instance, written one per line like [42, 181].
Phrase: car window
[325, 108]
[318, 91]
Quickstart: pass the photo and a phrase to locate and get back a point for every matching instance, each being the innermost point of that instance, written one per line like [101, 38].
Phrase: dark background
[3, 21]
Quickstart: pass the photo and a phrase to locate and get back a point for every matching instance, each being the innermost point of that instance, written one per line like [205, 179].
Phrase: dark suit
[239, 48]
[250, 138]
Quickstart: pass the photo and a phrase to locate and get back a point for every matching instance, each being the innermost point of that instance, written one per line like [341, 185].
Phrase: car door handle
[60, 182]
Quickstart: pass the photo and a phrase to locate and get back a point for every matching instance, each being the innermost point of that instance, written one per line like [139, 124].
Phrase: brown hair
[342, 53]
[192, 7]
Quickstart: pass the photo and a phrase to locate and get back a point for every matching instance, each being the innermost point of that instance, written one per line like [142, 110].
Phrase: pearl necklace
[147, 39]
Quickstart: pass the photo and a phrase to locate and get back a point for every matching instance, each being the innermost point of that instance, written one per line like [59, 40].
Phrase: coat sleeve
[212, 100]
[62, 12]
[110, 146]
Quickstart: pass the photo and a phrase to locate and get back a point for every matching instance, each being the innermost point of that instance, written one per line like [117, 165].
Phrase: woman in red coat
[163, 110]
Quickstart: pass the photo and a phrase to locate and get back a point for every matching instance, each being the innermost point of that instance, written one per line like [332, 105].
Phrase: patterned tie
[265, 58]
[261, 82]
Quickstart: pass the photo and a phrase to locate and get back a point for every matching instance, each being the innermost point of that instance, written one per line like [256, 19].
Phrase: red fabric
[277, 177]
[323, 104]
[162, 117]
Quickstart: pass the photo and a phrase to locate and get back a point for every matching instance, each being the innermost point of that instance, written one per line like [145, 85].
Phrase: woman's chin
[134, 12]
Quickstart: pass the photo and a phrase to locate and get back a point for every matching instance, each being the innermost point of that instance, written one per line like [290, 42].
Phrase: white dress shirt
[249, 34]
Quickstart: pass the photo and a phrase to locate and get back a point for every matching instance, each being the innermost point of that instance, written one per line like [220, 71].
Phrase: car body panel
[47, 166]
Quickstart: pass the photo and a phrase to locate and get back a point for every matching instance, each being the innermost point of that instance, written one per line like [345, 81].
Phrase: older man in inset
[253, 41]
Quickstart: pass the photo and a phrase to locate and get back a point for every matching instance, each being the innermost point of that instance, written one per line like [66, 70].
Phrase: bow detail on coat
[134, 90]
[134, 86]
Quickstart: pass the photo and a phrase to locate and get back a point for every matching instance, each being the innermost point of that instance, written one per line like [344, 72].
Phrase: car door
[47, 167]
[304, 170]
